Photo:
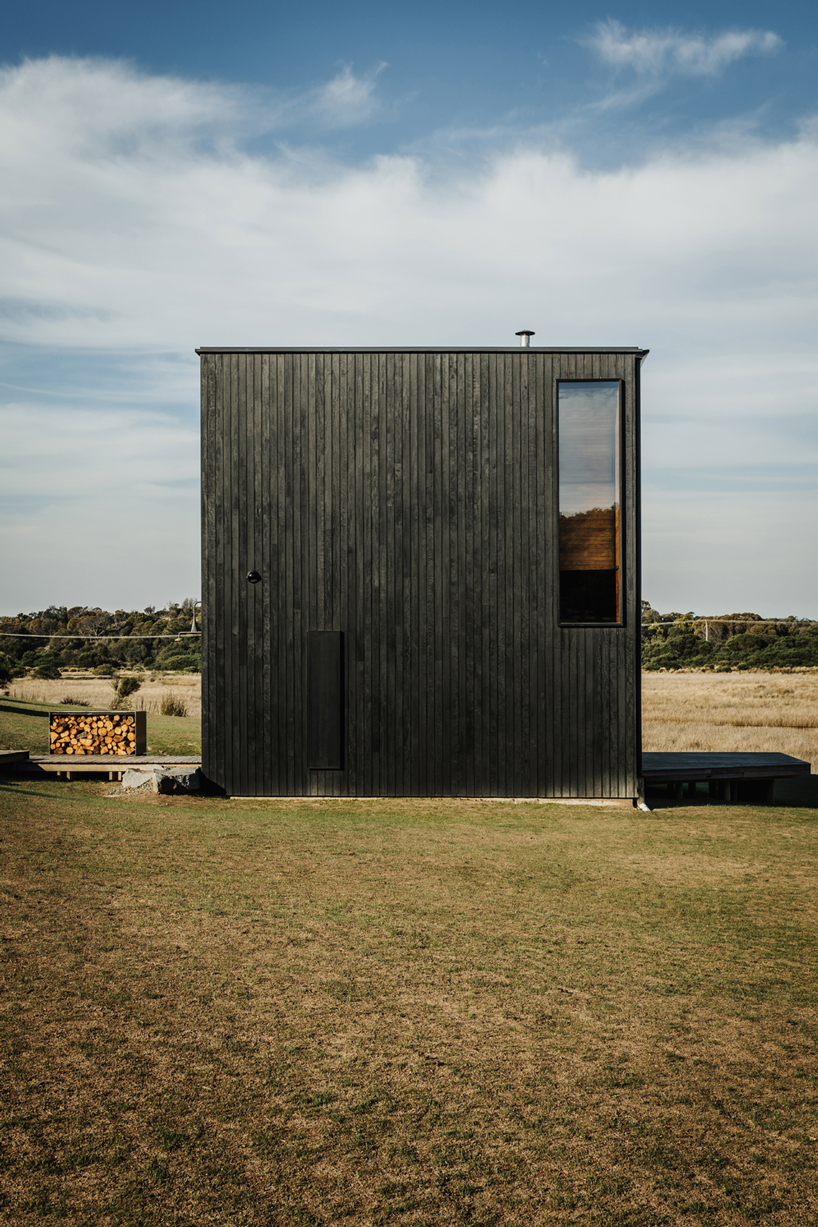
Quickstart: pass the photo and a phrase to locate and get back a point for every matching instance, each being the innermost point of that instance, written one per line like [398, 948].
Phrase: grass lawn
[405, 1012]
[24, 726]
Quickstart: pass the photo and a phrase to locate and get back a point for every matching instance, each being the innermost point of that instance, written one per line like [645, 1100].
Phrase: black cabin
[421, 572]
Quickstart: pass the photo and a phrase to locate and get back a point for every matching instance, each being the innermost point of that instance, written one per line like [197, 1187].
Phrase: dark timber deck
[729, 775]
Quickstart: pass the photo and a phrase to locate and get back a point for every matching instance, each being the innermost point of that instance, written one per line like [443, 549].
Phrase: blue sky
[179, 175]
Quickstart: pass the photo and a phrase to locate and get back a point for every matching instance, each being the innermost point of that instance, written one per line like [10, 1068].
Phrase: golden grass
[680, 711]
[240, 1014]
[769, 712]
[98, 692]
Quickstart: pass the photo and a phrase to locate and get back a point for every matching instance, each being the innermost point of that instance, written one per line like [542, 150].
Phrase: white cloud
[164, 240]
[134, 222]
[104, 110]
[658, 51]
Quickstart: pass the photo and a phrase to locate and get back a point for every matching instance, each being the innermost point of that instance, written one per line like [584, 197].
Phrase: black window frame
[620, 623]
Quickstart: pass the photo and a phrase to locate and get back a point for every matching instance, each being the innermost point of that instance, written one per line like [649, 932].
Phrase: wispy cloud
[170, 238]
[103, 108]
[657, 51]
[347, 99]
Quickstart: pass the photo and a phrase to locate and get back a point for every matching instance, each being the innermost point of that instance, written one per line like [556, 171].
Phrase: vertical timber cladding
[406, 500]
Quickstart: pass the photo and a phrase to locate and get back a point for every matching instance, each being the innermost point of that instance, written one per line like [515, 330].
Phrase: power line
[37, 635]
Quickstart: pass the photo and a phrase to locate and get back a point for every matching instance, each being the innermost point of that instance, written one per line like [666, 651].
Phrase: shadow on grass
[15, 784]
[25, 711]
[798, 793]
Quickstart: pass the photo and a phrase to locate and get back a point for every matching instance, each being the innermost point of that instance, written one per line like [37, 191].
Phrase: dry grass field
[680, 711]
[732, 712]
[98, 693]
[329, 1014]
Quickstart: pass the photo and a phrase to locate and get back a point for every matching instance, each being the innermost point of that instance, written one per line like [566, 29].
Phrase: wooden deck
[101, 764]
[731, 777]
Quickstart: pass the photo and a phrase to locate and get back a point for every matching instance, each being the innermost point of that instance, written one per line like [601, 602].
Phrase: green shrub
[745, 643]
[134, 652]
[185, 662]
[87, 658]
[172, 705]
[46, 671]
[7, 669]
[182, 657]
[70, 702]
[105, 670]
[123, 689]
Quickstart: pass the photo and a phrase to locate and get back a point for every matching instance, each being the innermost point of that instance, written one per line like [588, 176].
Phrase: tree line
[44, 643]
[730, 641]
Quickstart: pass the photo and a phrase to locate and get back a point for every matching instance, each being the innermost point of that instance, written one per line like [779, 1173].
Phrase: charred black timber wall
[406, 499]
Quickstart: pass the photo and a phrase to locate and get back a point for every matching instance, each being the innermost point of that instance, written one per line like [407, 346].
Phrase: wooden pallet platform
[731, 777]
[100, 764]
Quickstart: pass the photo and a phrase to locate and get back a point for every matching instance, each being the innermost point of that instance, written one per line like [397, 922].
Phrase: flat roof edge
[420, 349]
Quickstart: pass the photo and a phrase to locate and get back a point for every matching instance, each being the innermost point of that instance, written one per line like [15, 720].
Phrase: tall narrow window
[589, 433]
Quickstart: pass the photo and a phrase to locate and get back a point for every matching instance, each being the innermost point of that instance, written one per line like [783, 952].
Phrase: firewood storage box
[97, 732]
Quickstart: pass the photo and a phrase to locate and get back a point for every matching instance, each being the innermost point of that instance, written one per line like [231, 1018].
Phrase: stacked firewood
[95, 733]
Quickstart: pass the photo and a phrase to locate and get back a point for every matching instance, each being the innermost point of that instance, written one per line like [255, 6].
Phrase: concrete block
[173, 782]
[137, 781]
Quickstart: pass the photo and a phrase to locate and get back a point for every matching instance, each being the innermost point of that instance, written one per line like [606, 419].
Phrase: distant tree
[89, 657]
[94, 622]
[134, 651]
[43, 626]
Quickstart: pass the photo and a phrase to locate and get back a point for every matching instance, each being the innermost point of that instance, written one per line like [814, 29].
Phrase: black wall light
[253, 577]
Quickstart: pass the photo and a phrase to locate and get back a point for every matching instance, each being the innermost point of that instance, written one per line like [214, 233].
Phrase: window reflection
[589, 497]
